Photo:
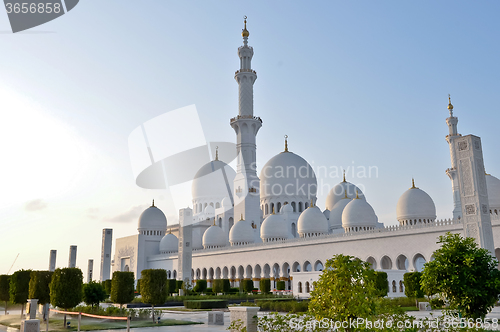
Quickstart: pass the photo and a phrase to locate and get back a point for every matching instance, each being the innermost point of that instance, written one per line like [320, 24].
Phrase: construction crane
[13, 263]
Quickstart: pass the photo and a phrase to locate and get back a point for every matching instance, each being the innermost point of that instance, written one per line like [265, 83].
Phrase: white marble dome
[338, 192]
[274, 228]
[209, 211]
[287, 177]
[169, 243]
[312, 222]
[493, 186]
[211, 184]
[214, 237]
[287, 208]
[226, 203]
[241, 233]
[358, 215]
[335, 220]
[415, 206]
[152, 219]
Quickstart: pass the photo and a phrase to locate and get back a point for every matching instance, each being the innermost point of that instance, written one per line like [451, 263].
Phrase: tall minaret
[452, 172]
[246, 126]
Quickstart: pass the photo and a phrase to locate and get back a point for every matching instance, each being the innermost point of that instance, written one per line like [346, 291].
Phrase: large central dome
[289, 178]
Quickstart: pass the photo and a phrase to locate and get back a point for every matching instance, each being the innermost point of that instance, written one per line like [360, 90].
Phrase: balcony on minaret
[245, 71]
[245, 117]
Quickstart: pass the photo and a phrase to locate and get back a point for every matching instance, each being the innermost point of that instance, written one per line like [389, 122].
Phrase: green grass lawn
[87, 324]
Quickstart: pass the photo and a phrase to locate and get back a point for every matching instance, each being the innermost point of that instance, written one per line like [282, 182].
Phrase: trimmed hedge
[265, 285]
[282, 305]
[201, 286]
[246, 285]
[205, 304]
[221, 286]
[172, 286]
[178, 285]
[280, 285]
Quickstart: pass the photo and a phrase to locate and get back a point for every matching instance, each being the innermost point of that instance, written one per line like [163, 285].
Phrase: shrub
[221, 286]
[205, 304]
[282, 305]
[178, 285]
[265, 285]
[201, 286]
[381, 283]
[280, 285]
[234, 290]
[122, 287]
[246, 285]
[172, 286]
[209, 291]
[107, 286]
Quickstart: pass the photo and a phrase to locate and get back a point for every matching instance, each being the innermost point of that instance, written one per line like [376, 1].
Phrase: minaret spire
[453, 134]
[246, 125]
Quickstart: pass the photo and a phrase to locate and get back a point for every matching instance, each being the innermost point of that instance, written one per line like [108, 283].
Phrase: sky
[352, 83]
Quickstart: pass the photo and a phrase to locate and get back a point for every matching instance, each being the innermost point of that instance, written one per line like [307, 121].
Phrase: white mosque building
[246, 226]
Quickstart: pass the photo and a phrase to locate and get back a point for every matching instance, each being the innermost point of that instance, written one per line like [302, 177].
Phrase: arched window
[217, 205]
[307, 286]
[401, 290]
[306, 205]
[300, 206]
[394, 286]
[293, 206]
[272, 208]
[267, 208]
[175, 274]
[279, 207]
[294, 230]
[300, 287]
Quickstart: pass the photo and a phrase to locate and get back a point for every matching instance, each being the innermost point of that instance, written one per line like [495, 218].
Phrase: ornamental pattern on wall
[128, 252]
[470, 209]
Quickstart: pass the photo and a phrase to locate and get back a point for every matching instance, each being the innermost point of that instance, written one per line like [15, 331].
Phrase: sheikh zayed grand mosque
[249, 226]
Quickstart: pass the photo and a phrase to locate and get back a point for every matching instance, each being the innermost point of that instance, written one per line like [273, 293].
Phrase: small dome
[169, 243]
[338, 192]
[358, 214]
[213, 181]
[241, 233]
[274, 228]
[209, 211]
[414, 205]
[226, 203]
[493, 186]
[335, 220]
[287, 208]
[214, 237]
[152, 219]
[312, 222]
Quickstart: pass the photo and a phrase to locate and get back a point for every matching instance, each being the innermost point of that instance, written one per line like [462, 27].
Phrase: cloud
[35, 205]
[131, 215]
[92, 213]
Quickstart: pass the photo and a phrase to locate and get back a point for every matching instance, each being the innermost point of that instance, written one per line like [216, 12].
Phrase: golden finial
[312, 204]
[344, 177]
[413, 184]
[345, 194]
[241, 216]
[245, 32]
[286, 143]
[153, 203]
[214, 221]
[450, 106]
[170, 230]
[273, 210]
[216, 153]
[357, 196]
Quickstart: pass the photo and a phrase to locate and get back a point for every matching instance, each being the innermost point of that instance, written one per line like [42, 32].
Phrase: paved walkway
[202, 316]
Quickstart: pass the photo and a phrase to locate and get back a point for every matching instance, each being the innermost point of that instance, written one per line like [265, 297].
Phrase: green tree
[265, 285]
[465, 275]
[122, 287]
[280, 285]
[66, 288]
[246, 285]
[413, 288]
[381, 283]
[93, 293]
[153, 287]
[19, 287]
[107, 286]
[138, 287]
[345, 290]
[171, 286]
[221, 286]
[201, 286]
[4, 289]
[40, 287]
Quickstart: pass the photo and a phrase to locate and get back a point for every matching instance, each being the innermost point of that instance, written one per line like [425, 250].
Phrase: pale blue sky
[348, 81]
